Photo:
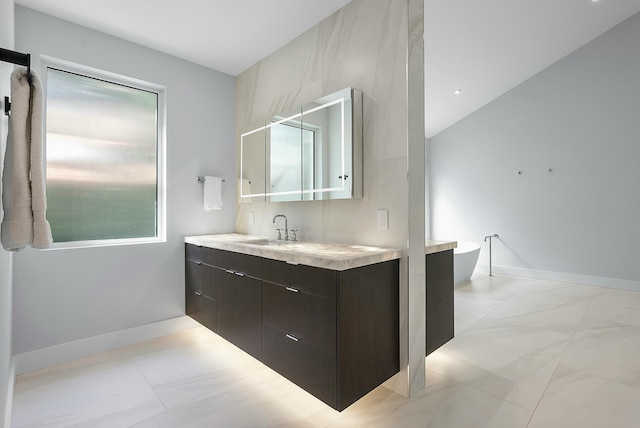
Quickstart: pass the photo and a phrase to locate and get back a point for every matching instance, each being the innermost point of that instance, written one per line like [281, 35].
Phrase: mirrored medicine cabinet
[313, 152]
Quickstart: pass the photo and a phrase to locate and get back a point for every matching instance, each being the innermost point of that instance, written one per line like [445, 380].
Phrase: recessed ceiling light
[457, 92]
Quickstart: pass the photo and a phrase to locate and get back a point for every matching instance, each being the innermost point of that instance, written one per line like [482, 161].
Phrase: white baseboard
[46, 357]
[599, 281]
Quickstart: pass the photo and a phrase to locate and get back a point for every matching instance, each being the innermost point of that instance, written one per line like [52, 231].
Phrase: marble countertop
[328, 256]
[437, 246]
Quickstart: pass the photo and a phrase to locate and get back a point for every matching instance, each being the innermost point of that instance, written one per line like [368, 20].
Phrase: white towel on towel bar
[24, 196]
[212, 193]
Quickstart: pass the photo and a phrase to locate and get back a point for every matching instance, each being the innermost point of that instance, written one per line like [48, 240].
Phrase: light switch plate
[383, 220]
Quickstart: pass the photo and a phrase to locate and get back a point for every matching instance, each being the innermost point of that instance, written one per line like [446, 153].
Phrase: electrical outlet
[251, 219]
[383, 220]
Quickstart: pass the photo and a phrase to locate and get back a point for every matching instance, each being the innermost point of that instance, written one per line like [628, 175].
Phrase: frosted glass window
[102, 148]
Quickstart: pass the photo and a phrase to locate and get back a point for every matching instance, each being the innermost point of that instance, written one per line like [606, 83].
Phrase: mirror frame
[351, 126]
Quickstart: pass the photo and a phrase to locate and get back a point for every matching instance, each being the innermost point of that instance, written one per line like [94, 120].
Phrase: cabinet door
[239, 301]
[248, 335]
[306, 365]
[439, 285]
[227, 306]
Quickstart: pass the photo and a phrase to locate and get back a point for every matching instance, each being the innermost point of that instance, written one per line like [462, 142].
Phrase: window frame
[161, 146]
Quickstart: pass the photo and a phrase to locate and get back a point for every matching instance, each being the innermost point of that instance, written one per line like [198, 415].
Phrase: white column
[416, 180]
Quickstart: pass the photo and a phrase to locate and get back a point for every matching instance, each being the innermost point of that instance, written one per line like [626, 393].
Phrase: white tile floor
[527, 353]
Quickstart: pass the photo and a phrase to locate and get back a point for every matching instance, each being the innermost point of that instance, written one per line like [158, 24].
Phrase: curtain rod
[17, 58]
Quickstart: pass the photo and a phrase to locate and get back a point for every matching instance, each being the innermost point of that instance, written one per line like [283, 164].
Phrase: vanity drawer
[200, 278]
[244, 263]
[197, 253]
[200, 307]
[305, 316]
[308, 366]
[304, 278]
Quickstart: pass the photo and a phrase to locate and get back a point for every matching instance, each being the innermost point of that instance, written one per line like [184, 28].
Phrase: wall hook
[549, 170]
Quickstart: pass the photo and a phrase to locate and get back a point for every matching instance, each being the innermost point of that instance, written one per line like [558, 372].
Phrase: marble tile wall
[364, 45]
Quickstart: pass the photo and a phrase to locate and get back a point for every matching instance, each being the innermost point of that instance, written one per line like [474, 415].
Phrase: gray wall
[65, 295]
[581, 118]
[6, 371]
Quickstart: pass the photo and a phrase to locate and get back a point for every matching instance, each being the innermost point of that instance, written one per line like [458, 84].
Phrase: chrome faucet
[286, 230]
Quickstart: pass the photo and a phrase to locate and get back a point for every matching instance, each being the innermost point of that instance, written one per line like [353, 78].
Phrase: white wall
[579, 117]
[66, 295]
[6, 367]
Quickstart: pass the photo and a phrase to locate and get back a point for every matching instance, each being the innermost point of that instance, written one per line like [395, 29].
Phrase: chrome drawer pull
[295, 290]
[230, 271]
[292, 263]
[295, 339]
[198, 293]
[240, 274]
[198, 262]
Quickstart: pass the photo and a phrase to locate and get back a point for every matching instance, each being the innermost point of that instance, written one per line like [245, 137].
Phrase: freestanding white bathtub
[465, 258]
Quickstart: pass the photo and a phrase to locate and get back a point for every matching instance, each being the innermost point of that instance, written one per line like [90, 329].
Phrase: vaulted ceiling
[479, 48]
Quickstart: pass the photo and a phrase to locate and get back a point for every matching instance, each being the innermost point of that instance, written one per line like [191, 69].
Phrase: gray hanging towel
[24, 197]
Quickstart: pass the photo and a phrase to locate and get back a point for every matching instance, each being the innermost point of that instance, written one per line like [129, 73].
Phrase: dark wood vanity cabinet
[439, 284]
[333, 333]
